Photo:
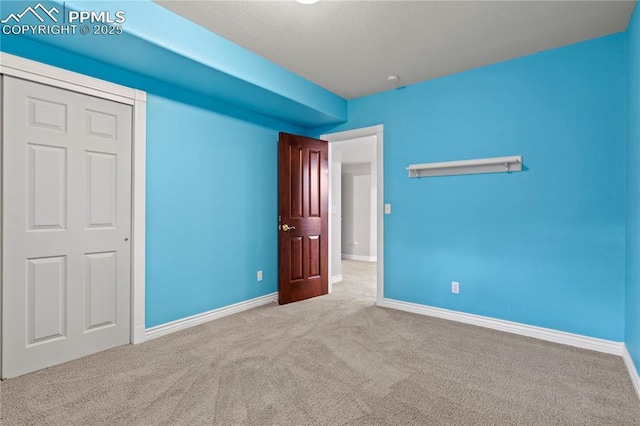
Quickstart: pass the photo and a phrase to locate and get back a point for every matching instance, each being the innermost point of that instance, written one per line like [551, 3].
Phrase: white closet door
[66, 228]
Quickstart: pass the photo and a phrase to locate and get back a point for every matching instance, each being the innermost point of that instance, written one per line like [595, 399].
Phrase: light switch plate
[387, 209]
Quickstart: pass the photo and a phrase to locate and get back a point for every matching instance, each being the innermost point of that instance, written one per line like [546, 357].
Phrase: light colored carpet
[332, 360]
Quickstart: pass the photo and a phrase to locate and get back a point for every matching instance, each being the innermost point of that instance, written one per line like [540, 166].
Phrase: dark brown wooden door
[303, 218]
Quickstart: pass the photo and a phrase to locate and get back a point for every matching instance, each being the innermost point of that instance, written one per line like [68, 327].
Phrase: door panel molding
[15, 66]
[376, 131]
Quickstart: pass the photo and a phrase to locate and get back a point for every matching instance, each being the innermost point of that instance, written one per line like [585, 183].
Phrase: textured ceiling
[349, 47]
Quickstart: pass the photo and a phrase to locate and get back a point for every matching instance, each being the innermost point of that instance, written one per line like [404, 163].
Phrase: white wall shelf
[467, 167]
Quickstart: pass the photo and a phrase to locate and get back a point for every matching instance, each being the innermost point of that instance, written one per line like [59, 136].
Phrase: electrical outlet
[455, 287]
[387, 209]
[259, 276]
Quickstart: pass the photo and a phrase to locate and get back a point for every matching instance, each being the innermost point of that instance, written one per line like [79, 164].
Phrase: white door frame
[354, 134]
[26, 69]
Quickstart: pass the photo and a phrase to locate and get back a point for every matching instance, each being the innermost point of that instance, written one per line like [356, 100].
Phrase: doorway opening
[356, 209]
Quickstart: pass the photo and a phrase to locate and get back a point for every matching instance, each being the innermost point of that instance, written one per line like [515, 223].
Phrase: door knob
[286, 227]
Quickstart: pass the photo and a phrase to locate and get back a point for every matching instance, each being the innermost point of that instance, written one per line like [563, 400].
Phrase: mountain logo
[34, 11]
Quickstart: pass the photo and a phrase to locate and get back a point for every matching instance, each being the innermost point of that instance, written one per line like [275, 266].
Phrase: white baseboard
[336, 279]
[359, 258]
[577, 340]
[181, 324]
[633, 372]
[138, 335]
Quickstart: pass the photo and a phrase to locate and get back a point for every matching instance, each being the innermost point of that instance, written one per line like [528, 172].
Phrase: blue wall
[211, 210]
[544, 247]
[632, 320]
